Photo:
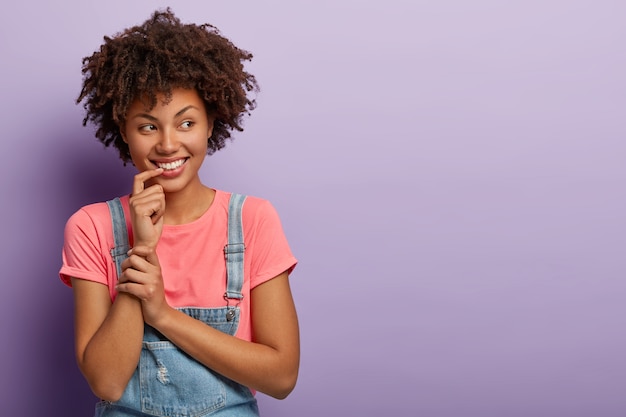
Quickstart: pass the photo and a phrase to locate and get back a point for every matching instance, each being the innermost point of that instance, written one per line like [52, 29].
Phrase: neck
[187, 205]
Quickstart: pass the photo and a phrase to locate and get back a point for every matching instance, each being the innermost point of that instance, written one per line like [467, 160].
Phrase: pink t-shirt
[191, 255]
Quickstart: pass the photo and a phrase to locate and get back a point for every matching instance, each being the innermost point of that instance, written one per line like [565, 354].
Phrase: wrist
[124, 298]
[145, 246]
[161, 320]
[142, 250]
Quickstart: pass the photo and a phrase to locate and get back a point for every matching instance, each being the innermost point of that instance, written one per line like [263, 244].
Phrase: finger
[135, 262]
[138, 290]
[151, 190]
[141, 178]
[150, 202]
[132, 275]
[154, 208]
[147, 254]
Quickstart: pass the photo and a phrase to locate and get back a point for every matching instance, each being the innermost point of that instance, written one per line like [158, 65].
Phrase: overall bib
[167, 381]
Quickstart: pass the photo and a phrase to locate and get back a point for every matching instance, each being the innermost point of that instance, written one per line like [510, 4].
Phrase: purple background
[449, 173]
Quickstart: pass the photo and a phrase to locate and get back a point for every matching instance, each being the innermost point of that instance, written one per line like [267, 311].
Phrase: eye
[187, 124]
[147, 128]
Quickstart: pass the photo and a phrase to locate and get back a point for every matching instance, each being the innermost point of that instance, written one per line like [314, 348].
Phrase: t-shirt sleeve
[82, 254]
[271, 254]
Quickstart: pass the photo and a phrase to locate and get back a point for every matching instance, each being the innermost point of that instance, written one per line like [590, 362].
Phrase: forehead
[173, 101]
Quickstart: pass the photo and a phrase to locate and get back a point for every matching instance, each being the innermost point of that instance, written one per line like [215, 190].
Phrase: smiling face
[172, 136]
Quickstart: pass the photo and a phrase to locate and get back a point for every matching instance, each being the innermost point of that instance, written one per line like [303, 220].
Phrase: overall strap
[233, 251]
[120, 234]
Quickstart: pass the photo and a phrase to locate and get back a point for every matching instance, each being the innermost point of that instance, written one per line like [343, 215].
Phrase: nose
[168, 142]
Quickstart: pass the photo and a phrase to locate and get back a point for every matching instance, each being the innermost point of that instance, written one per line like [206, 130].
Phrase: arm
[107, 337]
[268, 364]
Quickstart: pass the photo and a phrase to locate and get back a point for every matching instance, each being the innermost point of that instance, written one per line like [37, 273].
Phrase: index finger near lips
[142, 177]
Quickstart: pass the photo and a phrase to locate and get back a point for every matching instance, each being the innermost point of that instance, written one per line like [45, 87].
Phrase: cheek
[137, 151]
[201, 142]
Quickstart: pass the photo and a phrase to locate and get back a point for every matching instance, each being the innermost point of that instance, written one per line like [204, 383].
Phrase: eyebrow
[154, 119]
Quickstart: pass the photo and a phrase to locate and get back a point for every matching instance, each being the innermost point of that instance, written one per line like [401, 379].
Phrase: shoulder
[89, 215]
[257, 213]
[93, 217]
[254, 209]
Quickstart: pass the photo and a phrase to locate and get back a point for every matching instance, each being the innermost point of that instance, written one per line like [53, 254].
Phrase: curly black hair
[156, 57]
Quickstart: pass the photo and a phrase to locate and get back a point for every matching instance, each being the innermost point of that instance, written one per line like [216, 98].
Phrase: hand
[147, 206]
[141, 277]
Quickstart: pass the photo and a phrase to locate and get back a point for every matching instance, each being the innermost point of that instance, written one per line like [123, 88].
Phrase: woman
[182, 297]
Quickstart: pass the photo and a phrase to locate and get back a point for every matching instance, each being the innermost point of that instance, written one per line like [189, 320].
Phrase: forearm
[261, 367]
[111, 355]
[269, 364]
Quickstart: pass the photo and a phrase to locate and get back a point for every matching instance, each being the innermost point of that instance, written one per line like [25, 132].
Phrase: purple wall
[450, 174]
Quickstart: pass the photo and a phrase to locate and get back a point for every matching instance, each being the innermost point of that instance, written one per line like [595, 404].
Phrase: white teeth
[171, 165]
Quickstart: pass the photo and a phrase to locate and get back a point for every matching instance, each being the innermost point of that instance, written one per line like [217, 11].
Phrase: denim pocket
[175, 385]
[168, 382]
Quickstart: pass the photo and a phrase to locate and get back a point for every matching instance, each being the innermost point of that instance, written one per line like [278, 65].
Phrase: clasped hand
[141, 271]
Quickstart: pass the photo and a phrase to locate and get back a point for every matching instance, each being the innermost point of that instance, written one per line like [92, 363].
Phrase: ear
[123, 133]
[210, 127]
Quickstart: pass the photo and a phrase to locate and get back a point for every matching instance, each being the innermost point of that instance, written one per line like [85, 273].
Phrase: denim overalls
[167, 382]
